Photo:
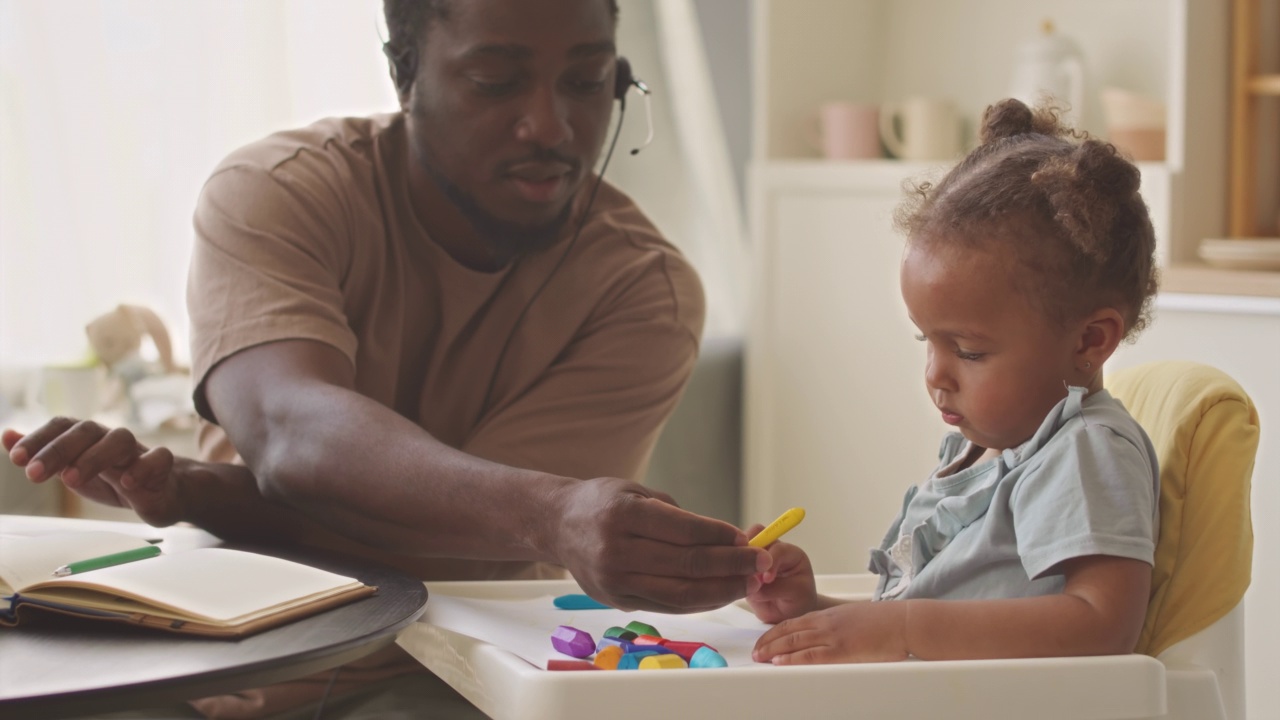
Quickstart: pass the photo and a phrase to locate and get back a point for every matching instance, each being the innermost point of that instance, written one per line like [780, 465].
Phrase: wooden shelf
[1248, 84]
[1264, 84]
[1206, 280]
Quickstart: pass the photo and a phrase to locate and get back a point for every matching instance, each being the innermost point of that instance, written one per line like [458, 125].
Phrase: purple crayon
[572, 642]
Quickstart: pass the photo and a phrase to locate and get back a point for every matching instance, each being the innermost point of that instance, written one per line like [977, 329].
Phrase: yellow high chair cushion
[1205, 431]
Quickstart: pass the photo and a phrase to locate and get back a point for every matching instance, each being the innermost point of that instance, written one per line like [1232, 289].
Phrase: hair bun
[1005, 119]
[1009, 118]
[1113, 174]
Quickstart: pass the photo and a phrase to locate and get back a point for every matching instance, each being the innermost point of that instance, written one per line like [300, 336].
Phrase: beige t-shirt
[310, 234]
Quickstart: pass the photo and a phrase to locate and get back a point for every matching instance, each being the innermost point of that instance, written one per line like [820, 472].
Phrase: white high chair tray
[507, 687]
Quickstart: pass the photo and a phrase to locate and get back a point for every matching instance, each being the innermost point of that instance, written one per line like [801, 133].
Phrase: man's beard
[506, 241]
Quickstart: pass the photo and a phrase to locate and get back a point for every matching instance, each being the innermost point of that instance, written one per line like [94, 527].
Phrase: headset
[623, 81]
[403, 67]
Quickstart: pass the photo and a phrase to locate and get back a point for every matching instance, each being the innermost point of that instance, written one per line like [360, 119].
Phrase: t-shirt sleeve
[598, 410]
[270, 252]
[1093, 493]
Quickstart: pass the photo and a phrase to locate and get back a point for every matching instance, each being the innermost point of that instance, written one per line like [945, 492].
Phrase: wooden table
[60, 667]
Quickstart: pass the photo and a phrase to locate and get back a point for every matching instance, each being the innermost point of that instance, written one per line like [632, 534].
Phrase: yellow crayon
[777, 528]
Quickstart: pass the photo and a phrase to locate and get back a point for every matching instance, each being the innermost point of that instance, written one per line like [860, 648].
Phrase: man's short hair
[407, 20]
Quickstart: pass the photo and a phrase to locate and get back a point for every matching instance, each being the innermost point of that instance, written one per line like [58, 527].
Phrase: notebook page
[29, 559]
[214, 584]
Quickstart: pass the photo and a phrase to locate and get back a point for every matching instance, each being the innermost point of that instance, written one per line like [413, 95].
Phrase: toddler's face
[995, 364]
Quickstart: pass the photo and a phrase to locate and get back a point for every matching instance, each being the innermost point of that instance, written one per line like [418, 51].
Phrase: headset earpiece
[623, 79]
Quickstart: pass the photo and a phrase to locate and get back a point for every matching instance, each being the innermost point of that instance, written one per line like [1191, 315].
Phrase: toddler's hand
[787, 588]
[853, 632]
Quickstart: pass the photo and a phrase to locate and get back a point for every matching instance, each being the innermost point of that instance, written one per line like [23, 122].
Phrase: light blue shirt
[1087, 483]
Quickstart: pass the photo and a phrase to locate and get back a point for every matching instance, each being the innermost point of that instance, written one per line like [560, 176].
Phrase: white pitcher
[1050, 66]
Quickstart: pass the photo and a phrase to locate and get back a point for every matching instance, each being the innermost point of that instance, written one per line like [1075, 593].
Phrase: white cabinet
[837, 418]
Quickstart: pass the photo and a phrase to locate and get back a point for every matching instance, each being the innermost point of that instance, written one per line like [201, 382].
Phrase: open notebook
[209, 591]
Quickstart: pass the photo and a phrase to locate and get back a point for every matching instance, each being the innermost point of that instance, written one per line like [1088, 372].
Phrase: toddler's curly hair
[1062, 207]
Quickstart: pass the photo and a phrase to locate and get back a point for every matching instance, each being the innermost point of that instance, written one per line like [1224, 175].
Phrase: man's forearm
[224, 499]
[394, 486]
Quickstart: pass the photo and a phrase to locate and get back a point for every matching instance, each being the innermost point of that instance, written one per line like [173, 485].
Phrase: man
[426, 340]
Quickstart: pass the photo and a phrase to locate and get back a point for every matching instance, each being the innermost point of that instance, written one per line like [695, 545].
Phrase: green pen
[98, 563]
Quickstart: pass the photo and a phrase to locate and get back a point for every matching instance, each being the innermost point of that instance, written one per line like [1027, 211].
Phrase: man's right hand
[108, 466]
[634, 549]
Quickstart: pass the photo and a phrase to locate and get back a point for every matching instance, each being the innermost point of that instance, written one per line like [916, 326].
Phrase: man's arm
[626, 545]
[109, 466]
[356, 466]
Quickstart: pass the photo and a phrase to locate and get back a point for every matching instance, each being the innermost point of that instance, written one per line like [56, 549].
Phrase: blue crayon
[578, 601]
[705, 657]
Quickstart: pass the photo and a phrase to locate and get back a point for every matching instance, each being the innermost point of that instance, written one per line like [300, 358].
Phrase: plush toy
[116, 339]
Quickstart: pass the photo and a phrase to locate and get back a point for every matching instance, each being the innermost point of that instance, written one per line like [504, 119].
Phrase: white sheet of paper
[524, 627]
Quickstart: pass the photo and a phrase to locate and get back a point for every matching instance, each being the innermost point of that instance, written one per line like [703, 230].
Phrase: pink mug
[848, 131]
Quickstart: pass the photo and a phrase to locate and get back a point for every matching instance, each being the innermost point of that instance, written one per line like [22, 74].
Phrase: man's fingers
[678, 596]
[23, 448]
[149, 488]
[115, 450]
[664, 497]
[682, 579]
[98, 490]
[9, 438]
[57, 444]
[649, 557]
[149, 472]
[653, 518]
[41, 436]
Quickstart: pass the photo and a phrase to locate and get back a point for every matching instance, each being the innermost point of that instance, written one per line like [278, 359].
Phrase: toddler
[1024, 268]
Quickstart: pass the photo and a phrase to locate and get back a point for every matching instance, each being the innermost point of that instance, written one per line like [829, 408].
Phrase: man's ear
[403, 68]
[1100, 334]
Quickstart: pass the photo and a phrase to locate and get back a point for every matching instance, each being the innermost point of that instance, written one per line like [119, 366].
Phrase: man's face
[510, 108]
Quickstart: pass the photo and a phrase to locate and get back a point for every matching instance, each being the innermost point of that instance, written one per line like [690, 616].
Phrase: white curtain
[113, 113]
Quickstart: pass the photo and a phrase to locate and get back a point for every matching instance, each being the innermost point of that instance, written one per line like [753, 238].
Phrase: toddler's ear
[1100, 335]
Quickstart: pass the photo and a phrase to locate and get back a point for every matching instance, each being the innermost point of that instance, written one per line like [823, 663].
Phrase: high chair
[1189, 664]
[1205, 430]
